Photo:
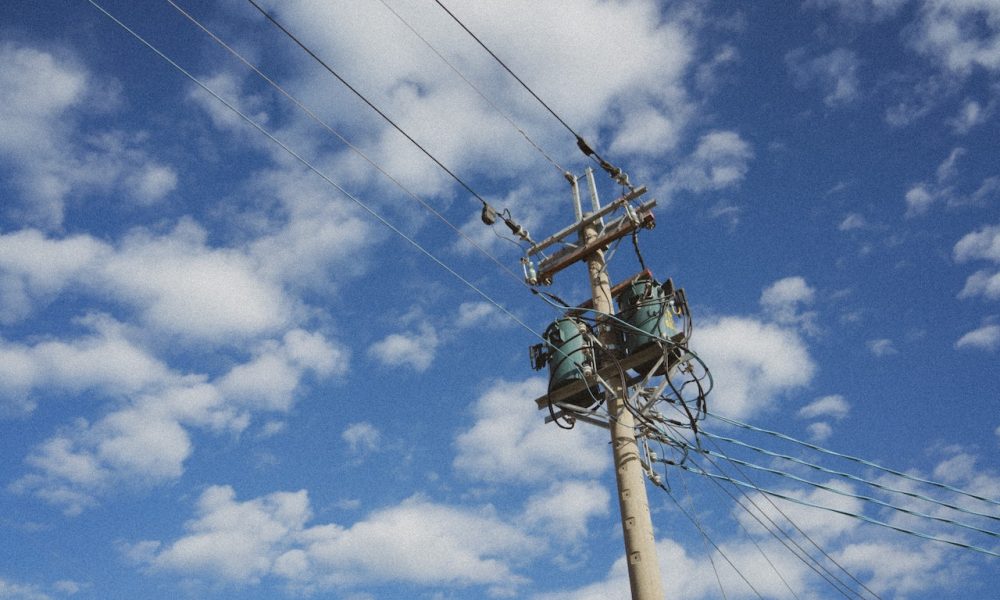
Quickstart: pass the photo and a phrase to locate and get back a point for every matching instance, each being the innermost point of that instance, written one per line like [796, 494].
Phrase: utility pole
[637, 526]
[594, 236]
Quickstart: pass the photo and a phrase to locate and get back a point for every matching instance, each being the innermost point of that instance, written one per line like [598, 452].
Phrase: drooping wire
[711, 541]
[475, 88]
[312, 115]
[794, 524]
[314, 169]
[866, 519]
[517, 229]
[615, 172]
[851, 477]
[807, 559]
[853, 459]
[759, 549]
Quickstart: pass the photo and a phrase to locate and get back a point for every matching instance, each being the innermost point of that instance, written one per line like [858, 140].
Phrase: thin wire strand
[756, 545]
[849, 476]
[818, 567]
[853, 459]
[474, 87]
[699, 471]
[795, 525]
[346, 142]
[312, 168]
[364, 99]
[710, 541]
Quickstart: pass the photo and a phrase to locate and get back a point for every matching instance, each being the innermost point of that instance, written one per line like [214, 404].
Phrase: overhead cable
[832, 578]
[314, 169]
[475, 88]
[616, 173]
[312, 115]
[860, 517]
[514, 227]
[853, 459]
[840, 492]
[874, 484]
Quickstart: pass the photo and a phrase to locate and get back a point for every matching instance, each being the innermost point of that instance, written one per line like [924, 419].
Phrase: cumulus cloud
[970, 115]
[412, 349]
[564, 510]
[509, 441]
[852, 222]
[753, 363]
[784, 299]
[42, 95]
[416, 541]
[983, 244]
[361, 437]
[961, 36]
[922, 196]
[881, 347]
[986, 338]
[148, 439]
[835, 73]
[834, 406]
[720, 160]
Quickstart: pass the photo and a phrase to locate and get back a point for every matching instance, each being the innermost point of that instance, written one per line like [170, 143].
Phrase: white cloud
[986, 337]
[752, 363]
[720, 160]
[961, 35]
[12, 590]
[783, 300]
[834, 406]
[42, 94]
[415, 350]
[417, 541]
[970, 115]
[852, 222]
[918, 200]
[148, 440]
[983, 244]
[361, 437]
[511, 442]
[881, 347]
[834, 72]
[564, 509]
[472, 314]
[819, 432]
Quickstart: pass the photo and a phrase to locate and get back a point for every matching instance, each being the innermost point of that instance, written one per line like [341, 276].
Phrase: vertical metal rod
[577, 206]
[637, 525]
[595, 201]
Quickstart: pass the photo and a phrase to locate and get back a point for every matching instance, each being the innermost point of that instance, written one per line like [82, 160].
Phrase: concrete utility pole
[637, 526]
[594, 236]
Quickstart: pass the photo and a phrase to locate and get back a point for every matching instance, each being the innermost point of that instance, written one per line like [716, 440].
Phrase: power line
[853, 459]
[474, 87]
[345, 141]
[834, 490]
[925, 536]
[518, 230]
[849, 476]
[312, 168]
[833, 579]
[581, 143]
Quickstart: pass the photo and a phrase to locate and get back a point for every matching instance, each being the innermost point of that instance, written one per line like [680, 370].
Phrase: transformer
[648, 308]
[569, 353]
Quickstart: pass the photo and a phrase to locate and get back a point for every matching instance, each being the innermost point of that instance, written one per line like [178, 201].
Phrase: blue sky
[221, 377]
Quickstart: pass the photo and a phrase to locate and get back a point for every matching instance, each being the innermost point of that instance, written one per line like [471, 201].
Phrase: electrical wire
[860, 517]
[312, 115]
[382, 114]
[851, 477]
[714, 545]
[314, 169]
[852, 458]
[475, 88]
[806, 558]
[839, 492]
[616, 173]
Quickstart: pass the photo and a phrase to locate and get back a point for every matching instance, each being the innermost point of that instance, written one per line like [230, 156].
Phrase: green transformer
[648, 308]
[570, 356]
